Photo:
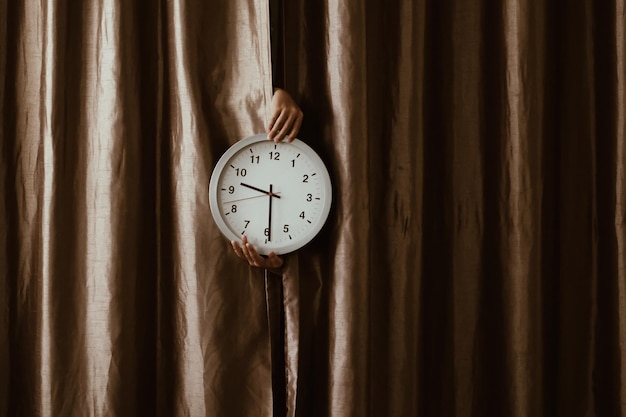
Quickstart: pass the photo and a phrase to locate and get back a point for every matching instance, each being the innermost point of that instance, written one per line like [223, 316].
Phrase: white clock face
[277, 194]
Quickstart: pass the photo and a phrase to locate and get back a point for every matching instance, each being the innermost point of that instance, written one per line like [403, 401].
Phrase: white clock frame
[256, 156]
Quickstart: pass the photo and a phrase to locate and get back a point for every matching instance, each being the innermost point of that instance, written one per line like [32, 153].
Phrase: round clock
[277, 194]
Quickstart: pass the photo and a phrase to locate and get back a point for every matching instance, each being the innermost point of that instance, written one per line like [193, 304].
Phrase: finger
[285, 127]
[245, 249]
[273, 119]
[253, 256]
[256, 258]
[237, 249]
[246, 254]
[296, 127]
[274, 260]
[274, 123]
[278, 125]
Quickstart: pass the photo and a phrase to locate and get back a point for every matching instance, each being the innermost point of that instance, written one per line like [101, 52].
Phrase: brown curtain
[474, 263]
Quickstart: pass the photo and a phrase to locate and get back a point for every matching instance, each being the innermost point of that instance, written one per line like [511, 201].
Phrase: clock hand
[261, 191]
[247, 198]
[269, 220]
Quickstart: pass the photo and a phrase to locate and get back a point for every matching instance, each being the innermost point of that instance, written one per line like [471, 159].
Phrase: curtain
[119, 296]
[474, 261]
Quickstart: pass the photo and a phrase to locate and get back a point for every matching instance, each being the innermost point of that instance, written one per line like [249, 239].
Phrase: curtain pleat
[213, 327]
[473, 263]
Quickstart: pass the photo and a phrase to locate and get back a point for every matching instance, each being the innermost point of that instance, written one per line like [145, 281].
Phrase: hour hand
[259, 190]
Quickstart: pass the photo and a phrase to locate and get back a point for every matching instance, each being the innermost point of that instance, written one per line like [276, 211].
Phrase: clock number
[247, 222]
[305, 178]
[241, 172]
[231, 189]
[266, 232]
[286, 228]
[309, 197]
[275, 156]
[233, 208]
[301, 215]
[254, 159]
[293, 163]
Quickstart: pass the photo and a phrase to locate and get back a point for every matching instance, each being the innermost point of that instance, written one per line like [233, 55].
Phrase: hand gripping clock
[277, 194]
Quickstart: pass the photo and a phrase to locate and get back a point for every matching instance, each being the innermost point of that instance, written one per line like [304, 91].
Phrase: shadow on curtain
[474, 263]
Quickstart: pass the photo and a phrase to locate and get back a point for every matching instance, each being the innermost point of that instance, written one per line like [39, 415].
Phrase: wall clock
[277, 194]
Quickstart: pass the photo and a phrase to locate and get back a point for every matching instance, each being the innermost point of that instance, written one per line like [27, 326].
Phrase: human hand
[247, 252]
[286, 118]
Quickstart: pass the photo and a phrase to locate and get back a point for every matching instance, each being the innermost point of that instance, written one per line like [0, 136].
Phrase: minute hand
[269, 219]
[261, 191]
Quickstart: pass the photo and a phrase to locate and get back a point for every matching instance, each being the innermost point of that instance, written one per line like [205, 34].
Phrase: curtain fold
[473, 263]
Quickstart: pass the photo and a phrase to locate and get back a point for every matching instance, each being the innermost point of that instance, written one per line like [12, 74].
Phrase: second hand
[248, 198]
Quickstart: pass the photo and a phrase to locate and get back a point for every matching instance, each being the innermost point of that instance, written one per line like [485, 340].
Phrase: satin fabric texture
[474, 261]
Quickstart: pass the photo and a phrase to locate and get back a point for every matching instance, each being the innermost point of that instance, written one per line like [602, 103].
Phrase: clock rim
[289, 246]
